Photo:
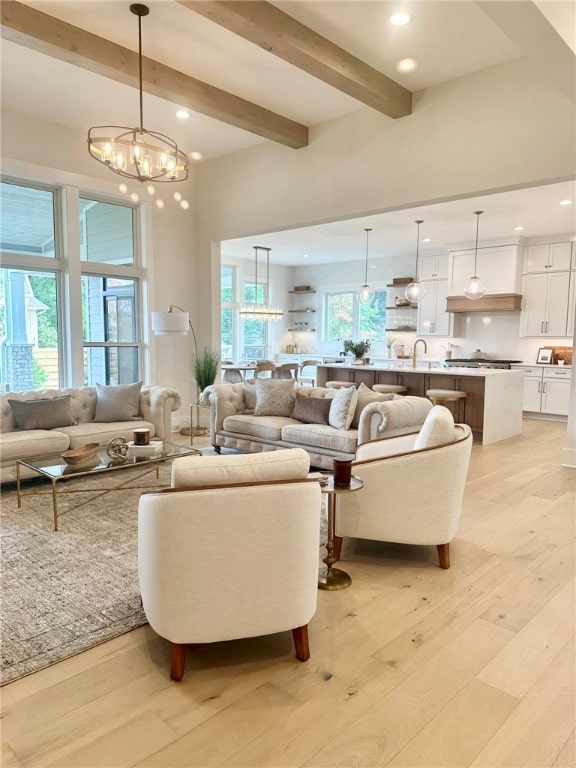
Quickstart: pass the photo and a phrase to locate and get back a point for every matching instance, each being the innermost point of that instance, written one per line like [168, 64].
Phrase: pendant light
[255, 310]
[475, 288]
[135, 152]
[415, 290]
[366, 294]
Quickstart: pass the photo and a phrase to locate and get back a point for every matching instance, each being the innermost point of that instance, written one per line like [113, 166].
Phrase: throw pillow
[342, 408]
[366, 396]
[311, 410]
[42, 414]
[438, 428]
[274, 397]
[117, 403]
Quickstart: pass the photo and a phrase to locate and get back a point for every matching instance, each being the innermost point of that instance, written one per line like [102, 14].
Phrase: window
[255, 336]
[44, 296]
[347, 318]
[29, 330]
[111, 333]
[241, 339]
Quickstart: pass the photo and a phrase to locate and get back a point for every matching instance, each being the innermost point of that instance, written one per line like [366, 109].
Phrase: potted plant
[358, 349]
[205, 367]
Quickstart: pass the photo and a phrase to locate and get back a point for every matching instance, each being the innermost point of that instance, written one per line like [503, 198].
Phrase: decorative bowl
[82, 454]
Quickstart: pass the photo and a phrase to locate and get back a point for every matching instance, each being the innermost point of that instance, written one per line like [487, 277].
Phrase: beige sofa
[234, 425]
[155, 408]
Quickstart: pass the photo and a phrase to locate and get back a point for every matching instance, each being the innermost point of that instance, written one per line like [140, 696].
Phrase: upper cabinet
[433, 319]
[547, 257]
[545, 304]
[434, 267]
[498, 267]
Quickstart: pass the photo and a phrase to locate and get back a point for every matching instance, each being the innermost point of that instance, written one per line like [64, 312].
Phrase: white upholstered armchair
[413, 487]
[231, 550]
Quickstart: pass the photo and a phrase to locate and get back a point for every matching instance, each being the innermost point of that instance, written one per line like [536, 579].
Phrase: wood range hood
[491, 302]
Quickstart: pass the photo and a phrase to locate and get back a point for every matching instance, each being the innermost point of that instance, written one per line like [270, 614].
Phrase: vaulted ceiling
[251, 72]
[254, 71]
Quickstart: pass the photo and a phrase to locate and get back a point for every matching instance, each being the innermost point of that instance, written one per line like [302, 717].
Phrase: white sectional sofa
[234, 425]
[155, 407]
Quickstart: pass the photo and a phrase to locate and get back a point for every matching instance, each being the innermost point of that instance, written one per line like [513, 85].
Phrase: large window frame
[239, 350]
[357, 309]
[69, 267]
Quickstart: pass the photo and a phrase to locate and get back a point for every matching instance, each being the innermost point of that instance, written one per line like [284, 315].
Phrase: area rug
[67, 591]
[64, 592]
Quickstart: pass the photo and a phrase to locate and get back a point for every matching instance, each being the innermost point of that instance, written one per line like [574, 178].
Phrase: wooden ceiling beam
[41, 32]
[278, 33]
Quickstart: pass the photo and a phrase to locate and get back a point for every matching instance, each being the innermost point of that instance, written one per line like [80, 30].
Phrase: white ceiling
[450, 225]
[447, 38]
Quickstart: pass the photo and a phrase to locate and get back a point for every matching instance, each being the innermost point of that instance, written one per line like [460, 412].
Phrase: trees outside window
[45, 294]
[345, 317]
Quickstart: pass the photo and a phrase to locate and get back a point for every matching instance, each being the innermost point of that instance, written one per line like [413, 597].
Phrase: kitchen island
[493, 406]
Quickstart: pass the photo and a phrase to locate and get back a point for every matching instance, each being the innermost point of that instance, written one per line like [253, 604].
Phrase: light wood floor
[410, 666]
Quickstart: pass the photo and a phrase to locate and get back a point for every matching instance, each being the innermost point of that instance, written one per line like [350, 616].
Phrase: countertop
[452, 371]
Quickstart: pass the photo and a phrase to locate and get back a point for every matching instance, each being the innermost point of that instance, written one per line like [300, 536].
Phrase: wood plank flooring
[411, 666]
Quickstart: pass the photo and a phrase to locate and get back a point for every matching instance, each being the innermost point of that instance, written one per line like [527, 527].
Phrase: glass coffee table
[55, 469]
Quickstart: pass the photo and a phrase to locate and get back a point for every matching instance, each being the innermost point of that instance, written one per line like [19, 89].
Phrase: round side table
[329, 577]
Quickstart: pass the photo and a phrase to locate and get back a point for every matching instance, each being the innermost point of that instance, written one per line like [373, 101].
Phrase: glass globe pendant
[475, 288]
[366, 294]
[415, 290]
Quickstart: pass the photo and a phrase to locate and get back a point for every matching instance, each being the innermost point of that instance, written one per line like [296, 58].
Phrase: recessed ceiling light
[399, 19]
[427, 240]
[196, 155]
[406, 65]
[305, 255]
[519, 229]
[373, 266]
[566, 202]
[183, 114]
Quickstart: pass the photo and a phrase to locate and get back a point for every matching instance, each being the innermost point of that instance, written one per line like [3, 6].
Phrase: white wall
[51, 153]
[492, 130]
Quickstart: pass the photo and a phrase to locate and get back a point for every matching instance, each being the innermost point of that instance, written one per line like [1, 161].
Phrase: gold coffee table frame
[54, 468]
[334, 578]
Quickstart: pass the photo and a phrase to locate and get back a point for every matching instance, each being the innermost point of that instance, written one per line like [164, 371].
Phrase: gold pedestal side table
[329, 577]
[195, 431]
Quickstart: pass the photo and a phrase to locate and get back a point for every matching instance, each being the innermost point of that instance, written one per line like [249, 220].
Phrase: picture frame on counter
[545, 355]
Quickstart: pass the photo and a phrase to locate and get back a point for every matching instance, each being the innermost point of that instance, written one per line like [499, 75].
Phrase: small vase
[358, 361]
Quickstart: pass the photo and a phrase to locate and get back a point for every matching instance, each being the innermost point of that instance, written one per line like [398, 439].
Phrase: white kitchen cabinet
[545, 304]
[498, 268]
[556, 391]
[433, 320]
[570, 326]
[547, 257]
[546, 389]
[434, 267]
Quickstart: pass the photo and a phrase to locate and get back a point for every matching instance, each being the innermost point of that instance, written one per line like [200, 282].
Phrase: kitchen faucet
[414, 351]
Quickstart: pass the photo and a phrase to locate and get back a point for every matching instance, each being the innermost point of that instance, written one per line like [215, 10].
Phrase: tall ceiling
[446, 39]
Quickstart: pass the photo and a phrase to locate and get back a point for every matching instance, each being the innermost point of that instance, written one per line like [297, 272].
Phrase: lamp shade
[170, 323]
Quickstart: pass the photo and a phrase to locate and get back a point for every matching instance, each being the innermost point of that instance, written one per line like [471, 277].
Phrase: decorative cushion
[274, 397]
[43, 413]
[311, 410]
[438, 428]
[342, 408]
[365, 396]
[117, 403]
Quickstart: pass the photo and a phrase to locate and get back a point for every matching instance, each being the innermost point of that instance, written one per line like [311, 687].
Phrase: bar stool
[440, 396]
[339, 384]
[387, 389]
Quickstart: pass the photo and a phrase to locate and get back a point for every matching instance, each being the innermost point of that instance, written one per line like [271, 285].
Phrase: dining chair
[304, 377]
[287, 371]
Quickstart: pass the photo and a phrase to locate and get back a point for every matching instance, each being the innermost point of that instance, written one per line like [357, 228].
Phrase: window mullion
[69, 220]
